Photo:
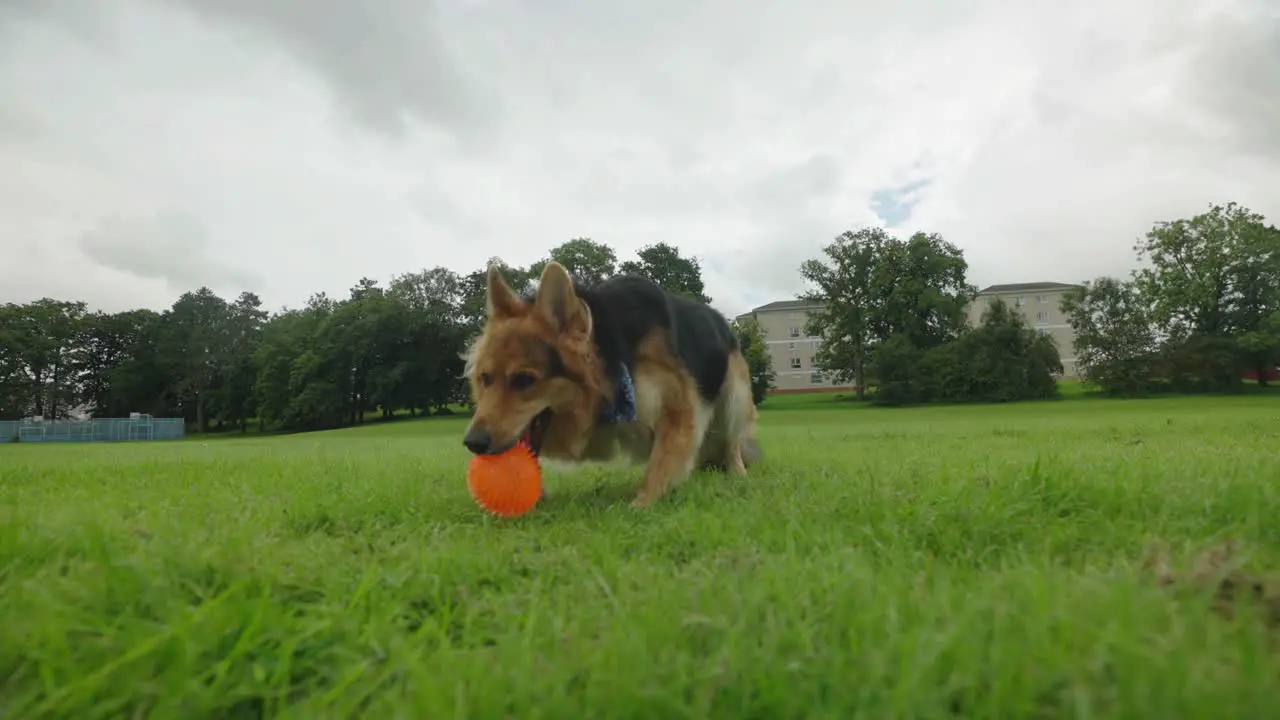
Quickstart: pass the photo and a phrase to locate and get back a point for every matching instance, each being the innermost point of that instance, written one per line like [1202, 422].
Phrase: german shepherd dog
[624, 368]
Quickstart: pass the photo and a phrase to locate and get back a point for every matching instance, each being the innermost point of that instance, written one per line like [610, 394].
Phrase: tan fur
[675, 429]
[508, 345]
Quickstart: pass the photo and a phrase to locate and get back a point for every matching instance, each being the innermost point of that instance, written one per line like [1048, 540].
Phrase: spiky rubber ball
[507, 485]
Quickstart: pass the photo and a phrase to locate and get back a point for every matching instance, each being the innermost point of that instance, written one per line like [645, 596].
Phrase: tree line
[891, 313]
[224, 364]
[1203, 309]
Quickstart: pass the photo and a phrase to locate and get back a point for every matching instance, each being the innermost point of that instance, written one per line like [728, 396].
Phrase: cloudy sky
[287, 147]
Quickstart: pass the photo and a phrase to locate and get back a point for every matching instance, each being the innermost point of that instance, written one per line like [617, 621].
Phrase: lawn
[963, 561]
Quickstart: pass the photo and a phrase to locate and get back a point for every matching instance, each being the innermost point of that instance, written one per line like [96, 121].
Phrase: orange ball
[507, 485]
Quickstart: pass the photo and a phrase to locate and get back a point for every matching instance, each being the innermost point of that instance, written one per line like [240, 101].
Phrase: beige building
[1040, 305]
[792, 350]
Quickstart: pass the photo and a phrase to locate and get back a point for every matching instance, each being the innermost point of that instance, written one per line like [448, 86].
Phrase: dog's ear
[558, 303]
[502, 300]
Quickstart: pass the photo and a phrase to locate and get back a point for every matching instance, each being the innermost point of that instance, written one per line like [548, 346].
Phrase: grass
[966, 561]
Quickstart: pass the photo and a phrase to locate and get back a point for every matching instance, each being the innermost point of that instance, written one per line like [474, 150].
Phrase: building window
[1042, 299]
[815, 378]
[795, 363]
[1020, 301]
[1042, 317]
[794, 331]
[791, 346]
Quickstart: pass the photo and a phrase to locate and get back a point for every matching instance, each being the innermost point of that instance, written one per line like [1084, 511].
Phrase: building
[791, 350]
[1040, 304]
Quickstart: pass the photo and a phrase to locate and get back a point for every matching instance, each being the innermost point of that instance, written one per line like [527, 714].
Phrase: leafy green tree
[40, 339]
[1198, 362]
[1115, 335]
[1191, 266]
[196, 343]
[752, 341]
[429, 368]
[1001, 360]
[897, 366]
[588, 261]
[920, 291]
[1256, 310]
[874, 287]
[288, 392]
[1213, 281]
[1262, 345]
[107, 341]
[15, 385]
[663, 264]
[844, 303]
[236, 401]
[473, 289]
[147, 379]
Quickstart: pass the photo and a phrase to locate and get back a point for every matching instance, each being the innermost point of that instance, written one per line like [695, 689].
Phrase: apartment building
[791, 349]
[1040, 305]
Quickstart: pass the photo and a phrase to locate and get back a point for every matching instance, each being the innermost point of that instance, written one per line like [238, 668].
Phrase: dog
[622, 369]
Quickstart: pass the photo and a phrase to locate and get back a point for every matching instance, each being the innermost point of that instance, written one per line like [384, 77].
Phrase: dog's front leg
[675, 447]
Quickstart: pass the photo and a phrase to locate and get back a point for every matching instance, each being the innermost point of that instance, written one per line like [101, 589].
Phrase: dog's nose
[478, 441]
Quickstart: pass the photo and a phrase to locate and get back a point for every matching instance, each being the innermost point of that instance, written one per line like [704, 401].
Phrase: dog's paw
[642, 501]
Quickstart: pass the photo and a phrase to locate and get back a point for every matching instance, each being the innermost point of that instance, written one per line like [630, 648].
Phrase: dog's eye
[486, 379]
[521, 381]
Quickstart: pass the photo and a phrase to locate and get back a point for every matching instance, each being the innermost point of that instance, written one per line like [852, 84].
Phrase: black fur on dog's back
[625, 309]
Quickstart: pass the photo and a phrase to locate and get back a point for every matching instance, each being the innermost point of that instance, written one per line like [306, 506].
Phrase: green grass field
[981, 562]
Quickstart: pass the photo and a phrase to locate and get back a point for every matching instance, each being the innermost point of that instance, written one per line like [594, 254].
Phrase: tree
[15, 399]
[1115, 335]
[1256, 311]
[288, 392]
[663, 264]
[437, 328]
[41, 343]
[844, 301]
[108, 341]
[897, 365]
[589, 262]
[920, 291]
[236, 402]
[1213, 282]
[875, 287]
[1001, 360]
[473, 289]
[148, 379]
[1192, 263]
[1263, 345]
[196, 343]
[752, 342]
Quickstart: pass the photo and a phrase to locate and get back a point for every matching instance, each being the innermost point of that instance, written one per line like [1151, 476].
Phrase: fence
[139, 427]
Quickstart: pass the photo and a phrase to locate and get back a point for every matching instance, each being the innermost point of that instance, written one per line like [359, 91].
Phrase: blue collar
[623, 406]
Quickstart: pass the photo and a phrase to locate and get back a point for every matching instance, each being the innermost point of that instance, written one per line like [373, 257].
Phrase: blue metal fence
[140, 427]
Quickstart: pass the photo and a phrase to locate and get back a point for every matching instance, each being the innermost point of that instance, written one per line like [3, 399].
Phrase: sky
[148, 147]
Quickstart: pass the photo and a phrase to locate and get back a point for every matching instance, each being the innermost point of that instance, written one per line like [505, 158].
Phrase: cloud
[172, 246]
[305, 146]
[386, 66]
